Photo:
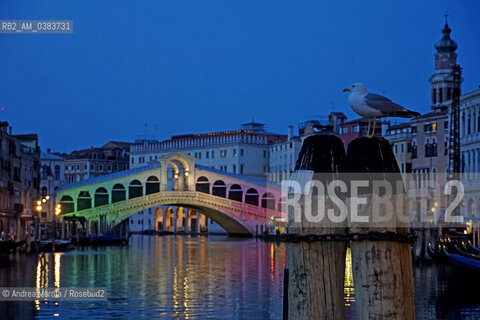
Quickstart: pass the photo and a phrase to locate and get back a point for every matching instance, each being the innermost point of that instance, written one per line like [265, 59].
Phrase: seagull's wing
[382, 104]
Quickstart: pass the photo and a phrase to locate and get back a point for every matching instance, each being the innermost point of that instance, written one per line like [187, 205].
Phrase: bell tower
[442, 81]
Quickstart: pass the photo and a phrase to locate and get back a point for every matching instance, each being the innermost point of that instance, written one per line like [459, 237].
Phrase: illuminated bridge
[239, 204]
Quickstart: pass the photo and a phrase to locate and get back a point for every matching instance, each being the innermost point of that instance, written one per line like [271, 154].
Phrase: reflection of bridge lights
[56, 282]
[348, 287]
[272, 262]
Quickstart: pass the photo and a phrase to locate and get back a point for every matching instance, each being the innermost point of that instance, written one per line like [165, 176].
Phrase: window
[395, 148]
[85, 167]
[414, 129]
[241, 150]
[213, 154]
[430, 149]
[241, 169]
[408, 167]
[264, 153]
[430, 127]
[344, 130]
[234, 169]
[469, 125]
[101, 167]
[234, 152]
[402, 147]
[91, 167]
[409, 147]
[356, 128]
[133, 161]
[207, 155]
[445, 124]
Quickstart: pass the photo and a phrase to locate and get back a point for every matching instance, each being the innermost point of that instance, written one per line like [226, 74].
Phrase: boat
[60, 245]
[6, 246]
[456, 251]
[463, 262]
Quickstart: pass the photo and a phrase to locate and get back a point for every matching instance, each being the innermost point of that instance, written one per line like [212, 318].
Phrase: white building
[470, 151]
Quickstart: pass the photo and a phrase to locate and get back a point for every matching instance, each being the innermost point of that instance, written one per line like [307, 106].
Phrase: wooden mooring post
[315, 271]
[382, 269]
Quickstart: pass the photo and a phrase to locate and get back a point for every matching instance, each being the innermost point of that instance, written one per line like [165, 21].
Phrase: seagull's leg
[374, 125]
[368, 129]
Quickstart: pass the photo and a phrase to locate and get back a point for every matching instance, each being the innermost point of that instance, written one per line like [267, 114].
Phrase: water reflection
[172, 277]
[349, 289]
[200, 278]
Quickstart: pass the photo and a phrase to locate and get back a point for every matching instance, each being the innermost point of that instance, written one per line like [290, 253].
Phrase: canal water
[199, 278]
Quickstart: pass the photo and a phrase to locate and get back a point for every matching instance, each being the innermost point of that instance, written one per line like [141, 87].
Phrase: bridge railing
[175, 195]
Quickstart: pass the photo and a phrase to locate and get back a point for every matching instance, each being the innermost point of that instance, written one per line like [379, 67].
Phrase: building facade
[19, 180]
[92, 162]
[243, 151]
[358, 128]
[400, 137]
[52, 172]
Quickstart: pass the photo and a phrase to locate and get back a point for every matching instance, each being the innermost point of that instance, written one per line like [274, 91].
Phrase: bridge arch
[67, 203]
[236, 193]
[159, 221]
[203, 185]
[251, 196]
[183, 171]
[118, 193]
[84, 200]
[135, 189]
[152, 185]
[268, 201]
[100, 197]
[219, 189]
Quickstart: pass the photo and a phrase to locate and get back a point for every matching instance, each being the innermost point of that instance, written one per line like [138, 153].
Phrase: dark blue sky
[199, 66]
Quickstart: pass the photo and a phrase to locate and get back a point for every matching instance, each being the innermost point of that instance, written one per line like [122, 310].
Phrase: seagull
[374, 106]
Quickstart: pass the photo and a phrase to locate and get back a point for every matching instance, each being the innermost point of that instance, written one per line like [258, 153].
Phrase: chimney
[290, 132]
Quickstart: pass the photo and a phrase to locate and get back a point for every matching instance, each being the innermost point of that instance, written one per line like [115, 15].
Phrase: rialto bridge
[239, 204]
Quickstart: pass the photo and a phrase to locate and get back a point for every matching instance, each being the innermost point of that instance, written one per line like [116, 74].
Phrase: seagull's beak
[346, 90]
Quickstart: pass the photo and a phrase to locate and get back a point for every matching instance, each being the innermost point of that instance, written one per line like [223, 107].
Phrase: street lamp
[58, 209]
